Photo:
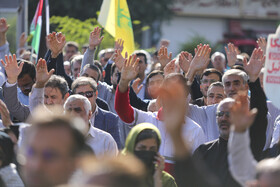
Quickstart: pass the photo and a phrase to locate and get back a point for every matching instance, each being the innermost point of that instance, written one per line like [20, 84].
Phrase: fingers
[51, 72]
[20, 66]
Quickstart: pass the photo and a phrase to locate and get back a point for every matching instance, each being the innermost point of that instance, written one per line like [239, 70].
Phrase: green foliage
[11, 34]
[78, 31]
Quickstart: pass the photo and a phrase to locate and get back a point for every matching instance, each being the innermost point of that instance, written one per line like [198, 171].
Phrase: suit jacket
[108, 122]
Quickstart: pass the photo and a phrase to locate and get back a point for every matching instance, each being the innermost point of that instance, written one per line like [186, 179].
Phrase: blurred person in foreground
[144, 141]
[52, 148]
[121, 171]
[8, 170]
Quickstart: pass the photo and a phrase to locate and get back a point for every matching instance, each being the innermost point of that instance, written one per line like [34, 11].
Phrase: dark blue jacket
[108, 122]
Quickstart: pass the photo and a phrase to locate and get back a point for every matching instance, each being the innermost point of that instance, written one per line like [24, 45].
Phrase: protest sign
[271, 78]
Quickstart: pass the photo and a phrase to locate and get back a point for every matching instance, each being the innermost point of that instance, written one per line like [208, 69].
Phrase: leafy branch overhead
[78, 31]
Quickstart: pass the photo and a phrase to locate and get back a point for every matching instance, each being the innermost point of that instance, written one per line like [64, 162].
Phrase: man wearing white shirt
[100, 141]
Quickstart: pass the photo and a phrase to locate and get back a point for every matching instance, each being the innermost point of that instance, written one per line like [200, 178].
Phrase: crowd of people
[136, 119]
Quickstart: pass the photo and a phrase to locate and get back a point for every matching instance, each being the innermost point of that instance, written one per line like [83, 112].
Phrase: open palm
[130, 68]
[11, 67]
[42, 74]
[255, 64]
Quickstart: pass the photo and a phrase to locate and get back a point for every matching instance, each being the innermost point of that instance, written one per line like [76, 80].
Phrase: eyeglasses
[222, 113]
[87, 94]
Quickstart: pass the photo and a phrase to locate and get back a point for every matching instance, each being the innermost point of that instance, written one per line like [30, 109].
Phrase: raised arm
[94, 41]
[163, 57]
[16, 108]
[188, 172]
[199, 62]
[56, 43]
[36, 97]
[4, 45]
[122, 105]
[242, 164]
[257, 100]
[231, 54]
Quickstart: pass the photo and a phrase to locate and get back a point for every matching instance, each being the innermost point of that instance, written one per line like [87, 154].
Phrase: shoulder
[207, 145]
[107, 113]
[168, 180]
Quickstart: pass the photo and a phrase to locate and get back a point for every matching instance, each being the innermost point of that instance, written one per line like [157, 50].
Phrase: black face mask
[147, 157]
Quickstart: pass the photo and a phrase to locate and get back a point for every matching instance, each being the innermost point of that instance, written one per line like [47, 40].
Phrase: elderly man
[51, 149]
[101, 119]
[218, 60]
[214, 153]
[215, 93]
[234, 81]
[100, 141]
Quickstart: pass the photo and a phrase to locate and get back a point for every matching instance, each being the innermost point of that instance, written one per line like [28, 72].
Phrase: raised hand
[199, 62]
[11, 67]
[262, 44]
[169, 68]
[94, 38]
[129, 72]
[240, 115]
[185, 59]
[231, 54]
[22, 40]
[163, 56]
[255, 64]
[56, 43]
[119, 45]
[42, 74]
[130, 68]
[5, 114]
[136, 87]
[118, 59]
[3, 25]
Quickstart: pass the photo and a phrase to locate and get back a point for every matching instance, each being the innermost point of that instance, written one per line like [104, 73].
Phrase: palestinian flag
[36, 25]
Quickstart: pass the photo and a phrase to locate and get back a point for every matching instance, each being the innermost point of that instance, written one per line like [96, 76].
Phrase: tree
[78, 31]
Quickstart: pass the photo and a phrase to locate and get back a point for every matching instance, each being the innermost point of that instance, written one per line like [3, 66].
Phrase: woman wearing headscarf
[144, 141]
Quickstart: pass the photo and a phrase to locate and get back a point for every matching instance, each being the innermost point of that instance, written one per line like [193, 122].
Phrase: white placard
[271, 78]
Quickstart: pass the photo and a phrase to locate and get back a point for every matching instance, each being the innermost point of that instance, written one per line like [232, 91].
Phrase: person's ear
[96, 93]
[66, 96]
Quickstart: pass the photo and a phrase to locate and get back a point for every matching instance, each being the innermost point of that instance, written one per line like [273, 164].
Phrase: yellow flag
[115, 18]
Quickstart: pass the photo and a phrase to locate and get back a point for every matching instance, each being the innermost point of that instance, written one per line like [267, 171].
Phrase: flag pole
[98, 47]
[31, 55]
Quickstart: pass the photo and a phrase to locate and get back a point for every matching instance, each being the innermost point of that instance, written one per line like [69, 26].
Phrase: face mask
[147, 157]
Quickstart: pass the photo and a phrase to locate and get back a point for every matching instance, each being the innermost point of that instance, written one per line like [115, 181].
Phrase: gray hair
[83, 81]
[217, 84]
[58, 82]
[238, 72]
[218, 54]
[104, 51]
[76, 58]
[78, 97]
[224, 101]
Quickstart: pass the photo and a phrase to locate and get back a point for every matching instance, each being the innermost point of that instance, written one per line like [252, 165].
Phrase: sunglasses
[87, 94]
[222, 113]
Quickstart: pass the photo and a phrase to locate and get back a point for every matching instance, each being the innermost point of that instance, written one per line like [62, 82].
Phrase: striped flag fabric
[115, 18]
[36, 25]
